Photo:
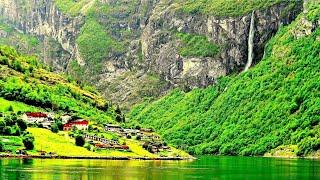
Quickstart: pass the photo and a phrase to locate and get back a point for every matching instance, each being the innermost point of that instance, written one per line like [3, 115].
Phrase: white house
[65, 118]
[34, 117]
[79, 124]
[38, 117]
[112, 128]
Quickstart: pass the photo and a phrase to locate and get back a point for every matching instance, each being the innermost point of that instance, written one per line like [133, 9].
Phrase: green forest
[276, 103]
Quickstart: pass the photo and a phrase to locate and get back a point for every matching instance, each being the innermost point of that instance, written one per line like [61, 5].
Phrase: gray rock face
[42, 18]
[160, 48]
[152, 47]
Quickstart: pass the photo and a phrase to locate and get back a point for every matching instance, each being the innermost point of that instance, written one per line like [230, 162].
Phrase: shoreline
[96, 157]
[138, 158]
[293, 157]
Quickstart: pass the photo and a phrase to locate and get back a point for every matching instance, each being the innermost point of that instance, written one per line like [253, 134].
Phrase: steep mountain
[274, 106]
[142, 48]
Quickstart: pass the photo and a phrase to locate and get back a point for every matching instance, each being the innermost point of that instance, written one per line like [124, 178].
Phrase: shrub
[28, 142]
[54, 128]
[7, 130]
[16, 130]
[90, 128]
[10, 109]
[1, 146]
[22, 124]
[88, 147]
[80, 140]
[2, 126]
[138, 137]
[4, 60]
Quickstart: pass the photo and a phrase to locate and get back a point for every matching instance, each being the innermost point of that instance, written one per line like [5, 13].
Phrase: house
[165, 147]
[131, 131]
[34, 117]
[156, 137]
[47, 123]
[125, 147]
[146, 130]
[45, 119]
[79, 124]
[113, 128]
[100, 146]
[154, 149]
[66, 118]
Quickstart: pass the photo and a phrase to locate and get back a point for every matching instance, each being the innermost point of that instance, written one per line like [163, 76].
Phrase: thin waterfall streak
[250, 43]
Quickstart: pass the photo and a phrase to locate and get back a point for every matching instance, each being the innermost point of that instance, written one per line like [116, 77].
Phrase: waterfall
[250, 43]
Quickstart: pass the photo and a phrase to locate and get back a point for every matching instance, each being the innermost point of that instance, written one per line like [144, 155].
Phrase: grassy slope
[63, 145]
[47, 141]
[17, 106]
[24, 79]
[224, 8]
[275, 103]
[11, 143]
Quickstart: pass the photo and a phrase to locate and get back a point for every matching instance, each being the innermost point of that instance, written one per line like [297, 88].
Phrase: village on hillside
[104, 137]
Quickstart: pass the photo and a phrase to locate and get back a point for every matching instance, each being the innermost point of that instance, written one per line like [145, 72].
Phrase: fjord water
[206, 167]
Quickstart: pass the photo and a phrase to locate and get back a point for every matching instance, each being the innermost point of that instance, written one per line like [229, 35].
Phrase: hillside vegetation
[196, 46]
[275, 103]
[25, 80]
[74, 8]
[224, 8]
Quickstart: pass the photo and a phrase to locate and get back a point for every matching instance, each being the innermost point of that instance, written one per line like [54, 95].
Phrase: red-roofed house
[46, 119]
[34, 117]
[79, 124]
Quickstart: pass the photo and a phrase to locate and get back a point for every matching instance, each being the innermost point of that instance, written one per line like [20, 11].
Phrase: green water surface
[206, 167]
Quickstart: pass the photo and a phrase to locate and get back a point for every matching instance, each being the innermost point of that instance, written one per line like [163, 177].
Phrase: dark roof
[36, 114]
[82, 122]
[113, 125]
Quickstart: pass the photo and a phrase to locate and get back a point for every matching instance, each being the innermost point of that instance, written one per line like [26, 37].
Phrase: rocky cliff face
[160, 47]
[42, 18]
[150, 62]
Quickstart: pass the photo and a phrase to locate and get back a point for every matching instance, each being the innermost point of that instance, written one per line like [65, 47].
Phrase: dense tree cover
[24, 79]
[12, 125]
[196, 46]
[225, 8]
[275, 103]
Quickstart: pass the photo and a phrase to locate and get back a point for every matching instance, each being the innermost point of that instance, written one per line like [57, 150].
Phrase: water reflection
[204, 168]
